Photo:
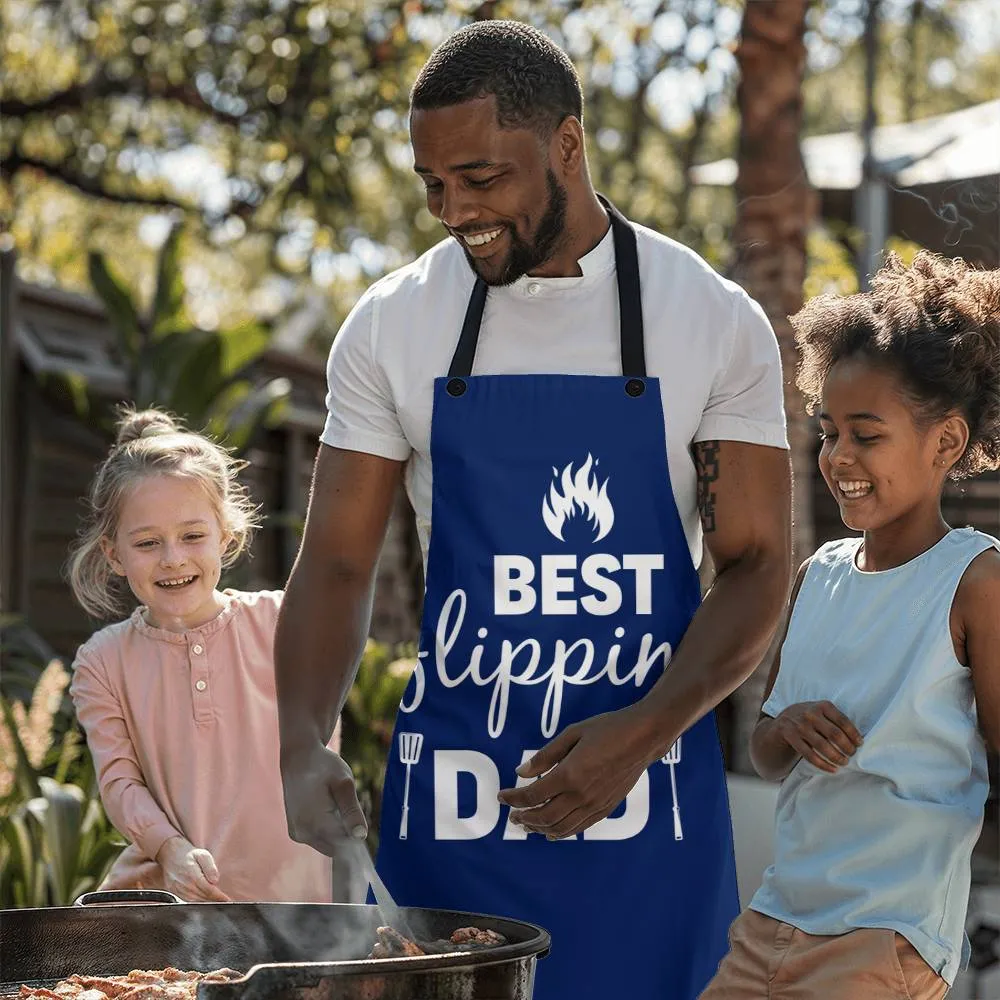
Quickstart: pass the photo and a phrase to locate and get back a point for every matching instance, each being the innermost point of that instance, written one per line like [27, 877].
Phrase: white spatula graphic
[410, 745]
[670, 758]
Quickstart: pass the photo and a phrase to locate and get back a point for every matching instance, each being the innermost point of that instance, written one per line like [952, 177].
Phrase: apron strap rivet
[456, 387]
[634, 387]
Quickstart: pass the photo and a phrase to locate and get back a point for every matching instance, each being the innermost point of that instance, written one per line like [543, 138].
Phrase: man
[564, 393]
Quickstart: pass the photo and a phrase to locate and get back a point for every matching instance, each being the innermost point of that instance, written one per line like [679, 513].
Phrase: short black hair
[936, 324]
[532, 79]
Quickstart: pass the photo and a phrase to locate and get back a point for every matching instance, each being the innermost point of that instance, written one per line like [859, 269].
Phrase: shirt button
[534, 288]
[197, 649]
[201, 685]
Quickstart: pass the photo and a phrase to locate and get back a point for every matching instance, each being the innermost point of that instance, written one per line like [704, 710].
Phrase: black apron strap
[465, 353]
[629, 307]
[629, 293]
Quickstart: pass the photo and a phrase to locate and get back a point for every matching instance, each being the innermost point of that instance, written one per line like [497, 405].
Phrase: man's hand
[819, 733]
[189, 872]
[320, 639]
[321, 801]
[586, 771]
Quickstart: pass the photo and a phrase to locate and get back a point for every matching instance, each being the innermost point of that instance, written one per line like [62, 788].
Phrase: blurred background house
[53, 337]
[940, 174]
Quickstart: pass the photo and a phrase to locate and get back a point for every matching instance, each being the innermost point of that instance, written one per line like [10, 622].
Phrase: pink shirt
[183, 730]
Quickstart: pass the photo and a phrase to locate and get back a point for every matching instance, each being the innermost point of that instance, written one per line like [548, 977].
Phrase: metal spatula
[356, 853]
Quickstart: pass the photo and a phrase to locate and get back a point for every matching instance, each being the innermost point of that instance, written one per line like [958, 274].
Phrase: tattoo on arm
[706, 460]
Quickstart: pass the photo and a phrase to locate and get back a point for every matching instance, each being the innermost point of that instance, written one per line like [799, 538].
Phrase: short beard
[524, 257]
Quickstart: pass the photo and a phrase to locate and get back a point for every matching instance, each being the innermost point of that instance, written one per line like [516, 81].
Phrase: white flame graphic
[581, 493]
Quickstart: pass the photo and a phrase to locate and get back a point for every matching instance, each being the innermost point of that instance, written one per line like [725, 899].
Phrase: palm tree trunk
[775, 206]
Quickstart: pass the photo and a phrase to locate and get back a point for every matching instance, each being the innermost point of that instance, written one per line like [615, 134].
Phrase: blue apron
[559, 581]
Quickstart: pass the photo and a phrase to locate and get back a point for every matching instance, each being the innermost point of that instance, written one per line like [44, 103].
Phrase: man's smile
[482, 238]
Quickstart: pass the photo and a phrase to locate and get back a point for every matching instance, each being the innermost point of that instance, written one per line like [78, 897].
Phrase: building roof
[58, 331]
[951, 147]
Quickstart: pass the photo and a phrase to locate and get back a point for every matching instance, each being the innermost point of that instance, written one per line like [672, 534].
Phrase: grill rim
[526, 942]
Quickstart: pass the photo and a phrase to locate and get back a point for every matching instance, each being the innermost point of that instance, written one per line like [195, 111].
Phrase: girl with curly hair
[886, 691]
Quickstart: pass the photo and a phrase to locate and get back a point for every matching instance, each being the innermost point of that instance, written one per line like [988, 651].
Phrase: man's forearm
[724, 643]
[321, 635]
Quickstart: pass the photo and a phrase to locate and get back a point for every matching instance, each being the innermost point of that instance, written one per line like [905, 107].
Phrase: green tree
[204, 376]
[928, 63]
[279, 127]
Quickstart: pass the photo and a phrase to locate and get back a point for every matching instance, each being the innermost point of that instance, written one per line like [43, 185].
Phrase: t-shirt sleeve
[361, 411]
[774, 705]
[747, 401]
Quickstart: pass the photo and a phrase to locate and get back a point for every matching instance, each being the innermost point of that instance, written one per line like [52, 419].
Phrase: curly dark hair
[532, 79]
[936, 324]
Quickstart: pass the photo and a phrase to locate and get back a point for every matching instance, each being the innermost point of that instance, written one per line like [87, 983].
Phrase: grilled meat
[391, 944]
[478, 937]
[176, 984]
[139, 984]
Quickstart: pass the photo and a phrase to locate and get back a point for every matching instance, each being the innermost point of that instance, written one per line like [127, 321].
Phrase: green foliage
[55, 840]
[54, 846]
[367, 723]
[830, 259]
[118, 302]
[298, 113]
[278, 127]
[830, 265]
[926, 65]
[202, 375]
[168, 304]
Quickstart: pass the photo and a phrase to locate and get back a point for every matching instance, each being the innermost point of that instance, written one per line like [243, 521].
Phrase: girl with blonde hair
[178, 700]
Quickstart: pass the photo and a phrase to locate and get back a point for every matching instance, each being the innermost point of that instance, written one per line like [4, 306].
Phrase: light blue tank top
[887, 840]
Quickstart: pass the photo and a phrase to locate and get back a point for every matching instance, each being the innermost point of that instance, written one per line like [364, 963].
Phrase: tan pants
[771, 960]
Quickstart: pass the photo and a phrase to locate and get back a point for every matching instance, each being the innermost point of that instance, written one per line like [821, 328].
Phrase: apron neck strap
[629, 306]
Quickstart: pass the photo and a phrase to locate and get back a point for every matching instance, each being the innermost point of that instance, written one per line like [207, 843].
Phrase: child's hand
[190, 872]
[820, 733]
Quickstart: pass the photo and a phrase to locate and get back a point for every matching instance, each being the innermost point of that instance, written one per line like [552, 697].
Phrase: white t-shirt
[709, 344]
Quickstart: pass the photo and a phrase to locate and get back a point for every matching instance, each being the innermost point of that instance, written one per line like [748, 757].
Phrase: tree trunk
[775, 207]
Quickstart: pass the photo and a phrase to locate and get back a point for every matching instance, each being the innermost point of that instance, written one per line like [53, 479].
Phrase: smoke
[241, 935]
[962, 206]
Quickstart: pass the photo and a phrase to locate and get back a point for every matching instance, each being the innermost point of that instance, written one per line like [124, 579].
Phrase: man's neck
[585, 228]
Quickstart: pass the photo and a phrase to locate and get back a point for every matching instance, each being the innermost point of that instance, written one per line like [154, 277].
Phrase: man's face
[493, 189]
